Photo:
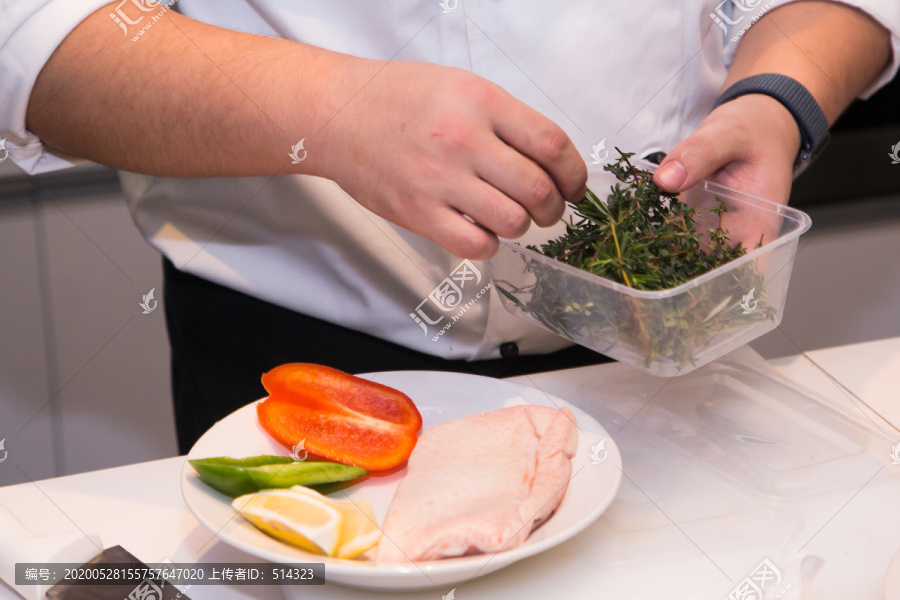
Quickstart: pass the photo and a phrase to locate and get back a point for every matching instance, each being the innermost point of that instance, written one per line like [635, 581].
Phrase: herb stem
[612, 228]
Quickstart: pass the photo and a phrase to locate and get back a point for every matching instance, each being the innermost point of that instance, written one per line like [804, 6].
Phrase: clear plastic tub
[673, 331]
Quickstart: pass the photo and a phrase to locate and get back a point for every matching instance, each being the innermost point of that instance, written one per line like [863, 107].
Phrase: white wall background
[84, 375]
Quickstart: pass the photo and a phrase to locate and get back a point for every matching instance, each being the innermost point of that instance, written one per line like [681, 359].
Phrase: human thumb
[700, 155]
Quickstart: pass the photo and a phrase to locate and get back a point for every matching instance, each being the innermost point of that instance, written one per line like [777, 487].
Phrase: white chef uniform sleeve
[886, 12]
[30, 30]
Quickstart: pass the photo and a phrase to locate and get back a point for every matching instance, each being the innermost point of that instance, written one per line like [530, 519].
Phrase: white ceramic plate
[439, 397]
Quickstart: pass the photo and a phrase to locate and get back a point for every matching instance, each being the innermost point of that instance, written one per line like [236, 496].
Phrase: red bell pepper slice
[339, 416]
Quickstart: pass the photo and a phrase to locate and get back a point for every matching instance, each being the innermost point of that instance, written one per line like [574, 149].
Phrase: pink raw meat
[480, 484]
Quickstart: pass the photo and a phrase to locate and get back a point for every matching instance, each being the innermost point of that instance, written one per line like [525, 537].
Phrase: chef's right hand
[426, 146]
[420, 144]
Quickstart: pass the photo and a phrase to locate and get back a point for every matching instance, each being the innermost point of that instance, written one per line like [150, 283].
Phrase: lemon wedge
[360, 530]
[311, 521]
[303, 521]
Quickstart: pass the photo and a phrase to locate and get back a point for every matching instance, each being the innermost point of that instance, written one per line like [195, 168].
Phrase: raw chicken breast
[480, 484]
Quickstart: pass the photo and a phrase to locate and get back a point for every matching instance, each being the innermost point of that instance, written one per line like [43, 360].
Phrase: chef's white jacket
[639, 75]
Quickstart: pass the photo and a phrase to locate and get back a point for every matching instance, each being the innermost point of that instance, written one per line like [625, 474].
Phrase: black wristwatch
[800, 103]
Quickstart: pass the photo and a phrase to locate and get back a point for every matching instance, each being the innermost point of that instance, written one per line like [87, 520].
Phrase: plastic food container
[674, 331]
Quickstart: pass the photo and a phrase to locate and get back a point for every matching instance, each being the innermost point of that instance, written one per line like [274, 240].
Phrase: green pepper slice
[238, 476]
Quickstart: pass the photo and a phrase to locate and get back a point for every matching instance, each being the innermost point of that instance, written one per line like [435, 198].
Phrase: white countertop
[140, 506]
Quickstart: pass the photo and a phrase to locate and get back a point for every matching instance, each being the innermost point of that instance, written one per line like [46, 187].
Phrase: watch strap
[797, 100]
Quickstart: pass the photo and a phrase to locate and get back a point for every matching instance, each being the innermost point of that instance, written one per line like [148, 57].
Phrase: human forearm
[425, 146]
[751, 143]
[834, 50]
[188, 99]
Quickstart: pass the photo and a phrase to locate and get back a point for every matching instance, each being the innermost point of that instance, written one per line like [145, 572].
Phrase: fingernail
[671, 175]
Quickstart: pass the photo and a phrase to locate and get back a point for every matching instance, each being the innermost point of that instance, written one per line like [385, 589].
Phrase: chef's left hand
[748, 144]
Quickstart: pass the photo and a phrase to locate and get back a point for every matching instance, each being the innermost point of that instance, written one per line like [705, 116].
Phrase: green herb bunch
[642, 237]
[646, 239]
